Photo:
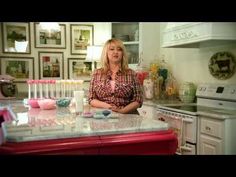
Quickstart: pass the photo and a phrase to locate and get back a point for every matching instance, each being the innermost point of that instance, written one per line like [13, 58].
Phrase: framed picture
[51, 65]
[81, 38]
[50, 39]
[98, 64]
[78, 68]
[16, 37]
[222, 65]
[21, 68]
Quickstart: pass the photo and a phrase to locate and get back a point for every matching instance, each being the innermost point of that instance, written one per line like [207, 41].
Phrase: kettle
[8, 89]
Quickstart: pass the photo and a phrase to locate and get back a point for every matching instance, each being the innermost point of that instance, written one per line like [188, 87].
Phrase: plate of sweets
[88, 114]
[102, 114]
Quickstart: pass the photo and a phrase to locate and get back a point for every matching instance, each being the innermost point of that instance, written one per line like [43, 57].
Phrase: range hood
[198, 34]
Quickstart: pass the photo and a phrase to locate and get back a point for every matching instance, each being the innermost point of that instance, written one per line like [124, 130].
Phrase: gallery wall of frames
[29, 52]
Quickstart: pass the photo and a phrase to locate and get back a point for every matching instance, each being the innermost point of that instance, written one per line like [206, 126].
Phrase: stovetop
[194, 109]
[211, 98]
[190, 108]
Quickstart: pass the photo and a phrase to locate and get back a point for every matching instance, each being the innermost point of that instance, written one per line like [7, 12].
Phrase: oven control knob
[161, 119]
[233, 91]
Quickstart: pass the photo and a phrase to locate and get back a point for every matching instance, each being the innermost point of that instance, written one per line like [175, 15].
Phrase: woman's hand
[100, 104]
[117, 109]
[127, 109]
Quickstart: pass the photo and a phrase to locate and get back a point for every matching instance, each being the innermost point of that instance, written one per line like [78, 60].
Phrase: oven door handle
[188, 120]
[185, 148]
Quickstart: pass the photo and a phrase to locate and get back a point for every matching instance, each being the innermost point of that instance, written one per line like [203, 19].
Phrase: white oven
[185, 127]
[183, 118]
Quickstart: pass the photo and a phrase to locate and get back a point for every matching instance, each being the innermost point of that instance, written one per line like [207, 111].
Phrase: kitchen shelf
[131, 43]
[129, 33]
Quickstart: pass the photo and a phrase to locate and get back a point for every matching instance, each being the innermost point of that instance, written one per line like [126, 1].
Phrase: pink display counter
[61, 131]
[148, 143]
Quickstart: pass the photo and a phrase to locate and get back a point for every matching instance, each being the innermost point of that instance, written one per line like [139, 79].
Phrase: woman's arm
[128, 108]
[100, 104]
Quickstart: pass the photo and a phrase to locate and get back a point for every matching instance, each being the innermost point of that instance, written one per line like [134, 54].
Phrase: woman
[114, 86]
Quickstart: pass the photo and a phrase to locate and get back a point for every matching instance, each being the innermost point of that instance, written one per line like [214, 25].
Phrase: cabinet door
[212, 127]
[210, 145]
[129, 34]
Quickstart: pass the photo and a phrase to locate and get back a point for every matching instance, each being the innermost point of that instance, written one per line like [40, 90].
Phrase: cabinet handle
[207, 128]
[188, 120]
[161, 119]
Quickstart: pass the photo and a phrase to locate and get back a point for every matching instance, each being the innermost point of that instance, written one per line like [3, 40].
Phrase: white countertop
[33, 124]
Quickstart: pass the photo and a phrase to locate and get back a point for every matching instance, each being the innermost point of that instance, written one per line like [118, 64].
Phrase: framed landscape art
[50, 38]
[79, 69]
[16, 37]
[81, 38]
[21, 68]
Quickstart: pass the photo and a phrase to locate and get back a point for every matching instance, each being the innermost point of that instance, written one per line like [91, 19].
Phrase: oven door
[188, 149]
[190, 129]
[185, 127]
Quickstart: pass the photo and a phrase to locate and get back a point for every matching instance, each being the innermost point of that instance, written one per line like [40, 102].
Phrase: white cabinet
[211, 136]
[216, 136]
[146, 42]
[102, 32]
[197, 34]
[129, 33]
[210, 145]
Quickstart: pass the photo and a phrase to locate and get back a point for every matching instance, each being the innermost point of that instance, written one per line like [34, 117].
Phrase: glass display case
[129, 33]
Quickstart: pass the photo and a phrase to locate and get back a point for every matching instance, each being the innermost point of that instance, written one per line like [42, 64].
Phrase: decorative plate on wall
[222, 65]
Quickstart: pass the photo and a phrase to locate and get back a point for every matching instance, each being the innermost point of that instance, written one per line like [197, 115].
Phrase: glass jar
[141, 71]
[187, 92]
[148, 88]
[163, 70]
[171, 87]
[158, 87]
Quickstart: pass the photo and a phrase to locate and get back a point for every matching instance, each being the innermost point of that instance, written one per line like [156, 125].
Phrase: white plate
[98, 116]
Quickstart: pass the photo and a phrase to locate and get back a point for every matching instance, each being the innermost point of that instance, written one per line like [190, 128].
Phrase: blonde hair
[104, 56]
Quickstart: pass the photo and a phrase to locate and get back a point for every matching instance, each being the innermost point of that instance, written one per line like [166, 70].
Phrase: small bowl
[98, 115]
[64, 102]
[88, 114]
[47, 104]
[33, 103]
[106, 112]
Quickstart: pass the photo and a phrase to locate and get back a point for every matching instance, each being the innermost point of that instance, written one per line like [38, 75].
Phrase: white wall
[191, 64]
[150, 37]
